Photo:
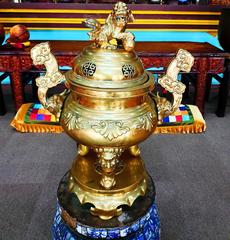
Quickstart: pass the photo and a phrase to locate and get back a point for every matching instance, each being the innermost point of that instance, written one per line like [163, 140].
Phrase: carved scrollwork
[111, 129]
[128, 70]
[49, 82]
[183, 62]
[171, 85]
[74, 121]
[146, 122]
[106, 128]
[41, 55]
[88, 69]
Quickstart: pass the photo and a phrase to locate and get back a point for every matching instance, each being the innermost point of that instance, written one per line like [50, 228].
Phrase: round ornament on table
[18, 34]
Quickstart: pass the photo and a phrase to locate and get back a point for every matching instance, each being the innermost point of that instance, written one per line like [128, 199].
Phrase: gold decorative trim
[102, 21]
[175, 12]
[101, 11]
[45, 20]
[197, 127]
[210, 31]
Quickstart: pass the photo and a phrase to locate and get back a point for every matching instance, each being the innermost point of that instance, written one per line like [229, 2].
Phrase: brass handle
[183, 62]
[42, 55]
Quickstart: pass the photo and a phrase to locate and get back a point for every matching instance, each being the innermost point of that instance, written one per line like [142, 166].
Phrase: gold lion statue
[114, 28]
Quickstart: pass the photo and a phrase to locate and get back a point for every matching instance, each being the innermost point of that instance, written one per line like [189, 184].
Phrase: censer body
[108, 109]
[112, 112]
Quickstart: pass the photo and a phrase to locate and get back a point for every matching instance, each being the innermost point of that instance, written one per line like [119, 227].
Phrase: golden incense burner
[108, 110]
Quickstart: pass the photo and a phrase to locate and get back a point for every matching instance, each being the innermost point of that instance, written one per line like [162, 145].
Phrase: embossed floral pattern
[146, 122]
[109, 129]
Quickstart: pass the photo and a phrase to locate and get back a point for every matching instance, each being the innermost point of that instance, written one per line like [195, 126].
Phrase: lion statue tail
[94, 25]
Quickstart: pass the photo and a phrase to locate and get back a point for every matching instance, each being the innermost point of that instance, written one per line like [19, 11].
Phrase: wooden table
[208, 59]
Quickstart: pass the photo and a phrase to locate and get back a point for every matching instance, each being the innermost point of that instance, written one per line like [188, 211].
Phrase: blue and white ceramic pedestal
[148, 227]
[139, 222]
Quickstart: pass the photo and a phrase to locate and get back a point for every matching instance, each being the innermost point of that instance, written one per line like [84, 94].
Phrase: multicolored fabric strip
[183, 116]
[37, 114]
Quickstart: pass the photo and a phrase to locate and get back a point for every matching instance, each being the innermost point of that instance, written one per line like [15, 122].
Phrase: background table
[208, 59]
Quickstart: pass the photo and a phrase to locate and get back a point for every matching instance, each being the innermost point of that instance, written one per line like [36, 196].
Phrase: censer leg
[134, 150]
[83, 149]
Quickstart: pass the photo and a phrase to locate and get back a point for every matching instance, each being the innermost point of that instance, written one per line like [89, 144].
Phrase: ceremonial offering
[19, 36]
[107, 108]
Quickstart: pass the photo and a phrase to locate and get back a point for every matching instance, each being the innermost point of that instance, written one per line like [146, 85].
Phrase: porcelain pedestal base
[73, 221]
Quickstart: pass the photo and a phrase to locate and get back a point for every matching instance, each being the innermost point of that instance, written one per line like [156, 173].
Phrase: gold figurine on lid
[108, 110]
[113, 29]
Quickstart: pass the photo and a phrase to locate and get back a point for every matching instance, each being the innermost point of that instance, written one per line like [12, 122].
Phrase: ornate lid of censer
[103, 68]
[99, 66]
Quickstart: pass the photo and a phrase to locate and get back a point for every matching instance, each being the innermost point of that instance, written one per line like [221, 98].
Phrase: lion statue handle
[41, 55]
[183, 62]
